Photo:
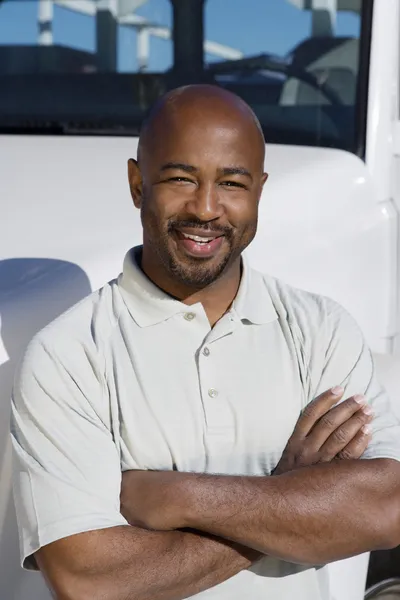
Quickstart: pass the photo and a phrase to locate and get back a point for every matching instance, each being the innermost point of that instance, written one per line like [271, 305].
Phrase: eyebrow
[179, 166]
[191, 169]
[236, 171]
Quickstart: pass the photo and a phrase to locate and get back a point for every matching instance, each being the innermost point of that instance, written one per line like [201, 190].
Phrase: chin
[199, 272]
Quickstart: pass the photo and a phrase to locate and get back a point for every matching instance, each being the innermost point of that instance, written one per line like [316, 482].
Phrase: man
[195, 376]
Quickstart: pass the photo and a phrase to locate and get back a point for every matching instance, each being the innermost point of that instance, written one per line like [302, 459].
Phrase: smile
[199, 239]
[199, 246]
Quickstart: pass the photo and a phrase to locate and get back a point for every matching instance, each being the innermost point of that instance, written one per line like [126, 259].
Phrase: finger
[358, 445]
[343, 435]
[332, 420]
[315, 410]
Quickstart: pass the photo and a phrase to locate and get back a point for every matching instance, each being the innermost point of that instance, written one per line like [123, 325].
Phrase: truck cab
[77, 78]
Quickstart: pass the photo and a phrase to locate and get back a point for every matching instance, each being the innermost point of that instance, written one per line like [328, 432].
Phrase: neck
[216, 298]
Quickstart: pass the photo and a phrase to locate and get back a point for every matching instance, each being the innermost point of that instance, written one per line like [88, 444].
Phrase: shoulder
[315, 317]
[64, 365]
[328, 340]
[78, 335]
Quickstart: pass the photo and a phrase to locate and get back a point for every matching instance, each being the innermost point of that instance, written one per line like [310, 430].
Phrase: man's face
[199, 198]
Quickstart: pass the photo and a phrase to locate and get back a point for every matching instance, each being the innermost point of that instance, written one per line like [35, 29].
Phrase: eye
[180, 179]
[234, 184]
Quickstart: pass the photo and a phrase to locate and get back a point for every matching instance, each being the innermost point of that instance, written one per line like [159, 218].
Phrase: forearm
[312, 515]
[129, 563]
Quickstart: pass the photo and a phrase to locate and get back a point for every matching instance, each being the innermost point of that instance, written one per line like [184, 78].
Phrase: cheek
[154, 213]
[240, 209]
[152, 221]
[168, 203]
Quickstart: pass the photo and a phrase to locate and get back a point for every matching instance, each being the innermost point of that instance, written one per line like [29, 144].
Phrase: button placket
[217, 410]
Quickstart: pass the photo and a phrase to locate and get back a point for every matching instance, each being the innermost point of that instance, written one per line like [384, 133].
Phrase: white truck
[76, 80]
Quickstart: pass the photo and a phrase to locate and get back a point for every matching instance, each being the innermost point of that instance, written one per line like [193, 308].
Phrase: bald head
[211, 105]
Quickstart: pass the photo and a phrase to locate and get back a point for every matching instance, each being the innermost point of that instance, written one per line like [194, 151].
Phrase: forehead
[204, 137]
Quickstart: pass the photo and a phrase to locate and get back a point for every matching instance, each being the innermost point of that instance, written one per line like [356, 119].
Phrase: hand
[153, 499]
[323, 433]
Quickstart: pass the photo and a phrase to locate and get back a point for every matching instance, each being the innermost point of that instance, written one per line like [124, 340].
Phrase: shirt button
[206, 351]
[213, 393]
[190, 316]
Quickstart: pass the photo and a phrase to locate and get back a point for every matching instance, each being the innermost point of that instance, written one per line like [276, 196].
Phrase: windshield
[96, 66]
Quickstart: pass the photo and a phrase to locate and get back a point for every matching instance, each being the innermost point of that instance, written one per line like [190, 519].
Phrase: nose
[205, 202]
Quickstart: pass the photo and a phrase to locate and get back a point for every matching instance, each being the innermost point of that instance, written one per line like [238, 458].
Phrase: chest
[223, 402]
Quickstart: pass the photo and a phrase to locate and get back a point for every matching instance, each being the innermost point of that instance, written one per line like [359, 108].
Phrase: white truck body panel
[320, 228]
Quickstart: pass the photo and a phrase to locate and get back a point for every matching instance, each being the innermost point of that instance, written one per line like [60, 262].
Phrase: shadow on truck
[33, 292]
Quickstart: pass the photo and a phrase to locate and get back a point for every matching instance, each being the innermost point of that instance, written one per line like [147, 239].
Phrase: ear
[135, 182]
[262, 183]
[264, 179]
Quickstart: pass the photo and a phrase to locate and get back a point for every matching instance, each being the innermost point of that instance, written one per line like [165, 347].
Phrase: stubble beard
[191, 272]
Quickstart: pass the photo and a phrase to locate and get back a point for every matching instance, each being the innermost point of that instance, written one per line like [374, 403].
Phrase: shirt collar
[253, 302]
[149, 305]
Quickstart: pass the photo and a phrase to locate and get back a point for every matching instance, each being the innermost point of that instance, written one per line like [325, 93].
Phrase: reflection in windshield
[88, 67]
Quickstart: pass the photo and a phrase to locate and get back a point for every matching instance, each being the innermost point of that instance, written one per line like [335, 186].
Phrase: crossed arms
[184, 533]
[189, 531]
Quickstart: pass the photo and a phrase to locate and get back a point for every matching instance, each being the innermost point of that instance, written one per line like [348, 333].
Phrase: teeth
[197, 238]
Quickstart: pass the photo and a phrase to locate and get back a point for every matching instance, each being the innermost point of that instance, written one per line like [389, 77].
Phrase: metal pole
[143, 48]
[188, 33]
[45, 23]
[324, 17]
[106, 35]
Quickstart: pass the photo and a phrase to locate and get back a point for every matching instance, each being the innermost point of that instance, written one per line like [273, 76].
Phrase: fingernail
[360, 399]
[366, 429]
[367, 410]
[337, 390]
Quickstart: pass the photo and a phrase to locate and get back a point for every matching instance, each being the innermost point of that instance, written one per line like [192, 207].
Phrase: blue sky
[252, 26]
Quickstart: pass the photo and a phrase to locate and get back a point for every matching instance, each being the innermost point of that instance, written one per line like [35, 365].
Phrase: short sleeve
[346, 360]
[66, 468]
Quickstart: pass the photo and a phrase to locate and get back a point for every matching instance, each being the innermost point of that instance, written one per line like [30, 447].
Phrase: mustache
[197, 224]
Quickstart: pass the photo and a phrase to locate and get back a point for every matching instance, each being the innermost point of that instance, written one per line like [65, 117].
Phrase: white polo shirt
[132, 379]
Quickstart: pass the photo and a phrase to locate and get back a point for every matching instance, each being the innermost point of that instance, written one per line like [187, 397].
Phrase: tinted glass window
[95, 67]
[297, 67]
